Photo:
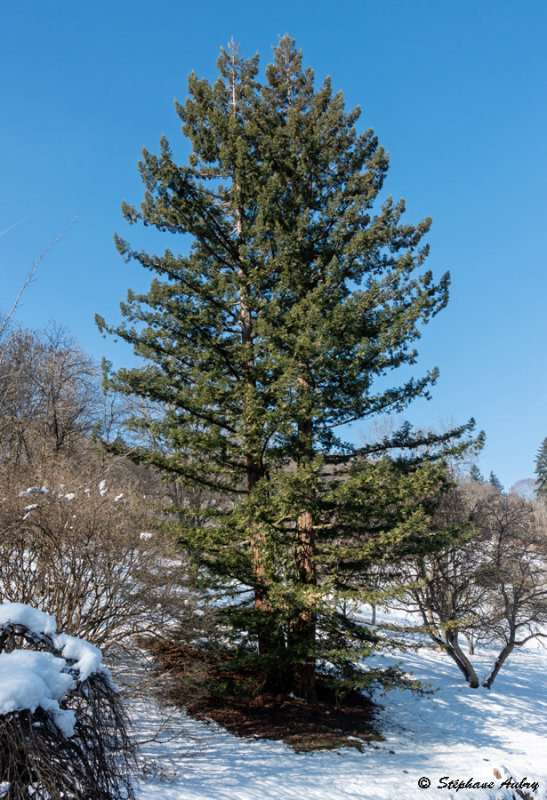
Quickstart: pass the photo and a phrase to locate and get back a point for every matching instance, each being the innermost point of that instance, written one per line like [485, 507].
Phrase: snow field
[455, 734]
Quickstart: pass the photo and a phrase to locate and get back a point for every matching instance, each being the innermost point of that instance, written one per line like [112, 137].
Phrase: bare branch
[32, 273]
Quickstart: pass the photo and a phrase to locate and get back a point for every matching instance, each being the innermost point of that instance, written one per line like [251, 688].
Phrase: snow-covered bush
[63, 731]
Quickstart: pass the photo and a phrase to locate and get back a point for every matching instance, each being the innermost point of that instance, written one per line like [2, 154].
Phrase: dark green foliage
[494, 481]
[541, 469]
[280, 325]
[476, 475]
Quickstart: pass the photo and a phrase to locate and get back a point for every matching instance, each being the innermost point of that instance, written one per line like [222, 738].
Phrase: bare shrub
[82, 550]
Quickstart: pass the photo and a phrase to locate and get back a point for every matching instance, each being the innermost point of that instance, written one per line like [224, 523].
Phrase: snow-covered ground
[456, 734]
[443, 745]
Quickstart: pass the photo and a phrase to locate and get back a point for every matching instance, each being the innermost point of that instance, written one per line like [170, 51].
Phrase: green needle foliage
[278, 327]
[475, 474]
[541, 469]
[494, 481]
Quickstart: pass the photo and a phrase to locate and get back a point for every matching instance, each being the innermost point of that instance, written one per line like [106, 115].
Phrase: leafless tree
[443, 589]
[51, 397]
[490, 585]
[50, 394]
[514, 574]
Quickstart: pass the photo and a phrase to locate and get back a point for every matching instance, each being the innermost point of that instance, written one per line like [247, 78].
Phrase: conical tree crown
[276, 327]
[541, 469]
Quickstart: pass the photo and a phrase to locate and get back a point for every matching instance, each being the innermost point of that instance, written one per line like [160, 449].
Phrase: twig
[32, 273]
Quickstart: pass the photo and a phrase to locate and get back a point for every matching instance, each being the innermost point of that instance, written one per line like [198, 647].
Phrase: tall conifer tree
[269, 335]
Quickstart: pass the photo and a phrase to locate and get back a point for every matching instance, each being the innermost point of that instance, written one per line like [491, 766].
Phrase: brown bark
[500, 660]
[303, 628]
[464, 665]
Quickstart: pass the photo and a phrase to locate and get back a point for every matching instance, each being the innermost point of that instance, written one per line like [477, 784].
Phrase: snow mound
[31, 679]
[34, 490]
[31, 618]
[88, 658]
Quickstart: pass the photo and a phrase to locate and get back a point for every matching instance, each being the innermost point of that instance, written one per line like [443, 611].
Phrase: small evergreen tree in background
[475, 474]
[494, 481]
[541, 470]
[278, 327]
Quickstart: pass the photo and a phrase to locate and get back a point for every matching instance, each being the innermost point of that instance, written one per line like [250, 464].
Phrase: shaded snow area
[457, 734]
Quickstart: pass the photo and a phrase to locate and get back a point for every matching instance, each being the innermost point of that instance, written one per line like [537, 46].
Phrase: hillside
[456, 733]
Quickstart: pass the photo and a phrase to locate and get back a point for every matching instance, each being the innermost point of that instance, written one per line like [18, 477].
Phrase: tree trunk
[466, 667]
[434, 631]
[303, 628]
[500, 660]
[254, 467]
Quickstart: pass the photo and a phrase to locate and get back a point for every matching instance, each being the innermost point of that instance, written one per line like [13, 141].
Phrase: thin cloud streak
[15, 224]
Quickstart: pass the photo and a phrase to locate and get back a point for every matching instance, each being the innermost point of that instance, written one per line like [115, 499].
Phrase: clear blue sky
[456, 91]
